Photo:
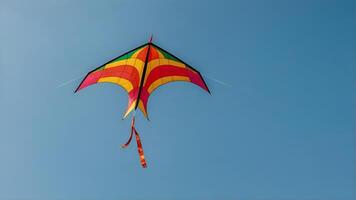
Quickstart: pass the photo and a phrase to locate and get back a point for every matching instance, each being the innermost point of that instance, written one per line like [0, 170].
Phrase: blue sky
[283, 130]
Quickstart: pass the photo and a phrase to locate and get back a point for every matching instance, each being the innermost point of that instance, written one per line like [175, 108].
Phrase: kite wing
[162, 68]
[125, 71]
[141, 71]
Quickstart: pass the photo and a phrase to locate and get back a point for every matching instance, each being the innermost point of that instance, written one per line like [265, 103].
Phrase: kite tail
[139, 144]
[131, 133]
[140, 149]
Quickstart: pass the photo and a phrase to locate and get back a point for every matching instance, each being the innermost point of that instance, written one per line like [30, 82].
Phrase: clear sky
[283, 130]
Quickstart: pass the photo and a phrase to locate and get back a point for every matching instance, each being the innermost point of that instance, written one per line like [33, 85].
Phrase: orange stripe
[137, 52]
[153, 54]
[142, 54]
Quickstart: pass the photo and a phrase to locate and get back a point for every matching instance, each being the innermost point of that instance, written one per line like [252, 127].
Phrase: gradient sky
[282, 129]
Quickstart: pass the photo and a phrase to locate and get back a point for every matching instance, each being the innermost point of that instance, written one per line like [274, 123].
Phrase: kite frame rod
[143, 73]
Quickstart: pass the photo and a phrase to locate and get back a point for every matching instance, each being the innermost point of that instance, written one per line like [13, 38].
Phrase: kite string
[70, 81]
[131, 133]
[129, 140]
[217, 81]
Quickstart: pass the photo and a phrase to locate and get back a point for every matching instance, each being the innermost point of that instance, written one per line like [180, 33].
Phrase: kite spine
[143, 73]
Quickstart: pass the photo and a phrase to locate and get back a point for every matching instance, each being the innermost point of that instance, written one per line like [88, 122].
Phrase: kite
[140, 72]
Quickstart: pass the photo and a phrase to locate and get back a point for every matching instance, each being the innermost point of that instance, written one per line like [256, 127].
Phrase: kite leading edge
[139, 72]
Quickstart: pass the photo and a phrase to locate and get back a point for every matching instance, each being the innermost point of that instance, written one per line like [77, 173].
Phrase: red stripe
[127, 72]
[197, 80]
[123, 71]
[144, 98]
[132, 96]
[91, 79]
[169, 70]
[163, 71]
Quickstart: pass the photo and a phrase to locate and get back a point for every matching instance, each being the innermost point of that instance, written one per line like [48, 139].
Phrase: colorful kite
[141, 71]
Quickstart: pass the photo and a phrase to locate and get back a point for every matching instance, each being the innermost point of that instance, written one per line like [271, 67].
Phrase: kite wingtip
[207, 89]
[77, 89]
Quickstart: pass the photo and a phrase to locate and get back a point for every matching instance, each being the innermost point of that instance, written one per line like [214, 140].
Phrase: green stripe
[167, 55]
[100, 68]
[126, 56]
[123, 57]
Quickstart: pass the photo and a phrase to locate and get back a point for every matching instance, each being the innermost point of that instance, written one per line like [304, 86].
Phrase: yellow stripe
[160, 55]
[126, 84]
[175, 63]
[157, 62]
[132, 106]
[142, 108]
[165, 80]
[130, 61]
